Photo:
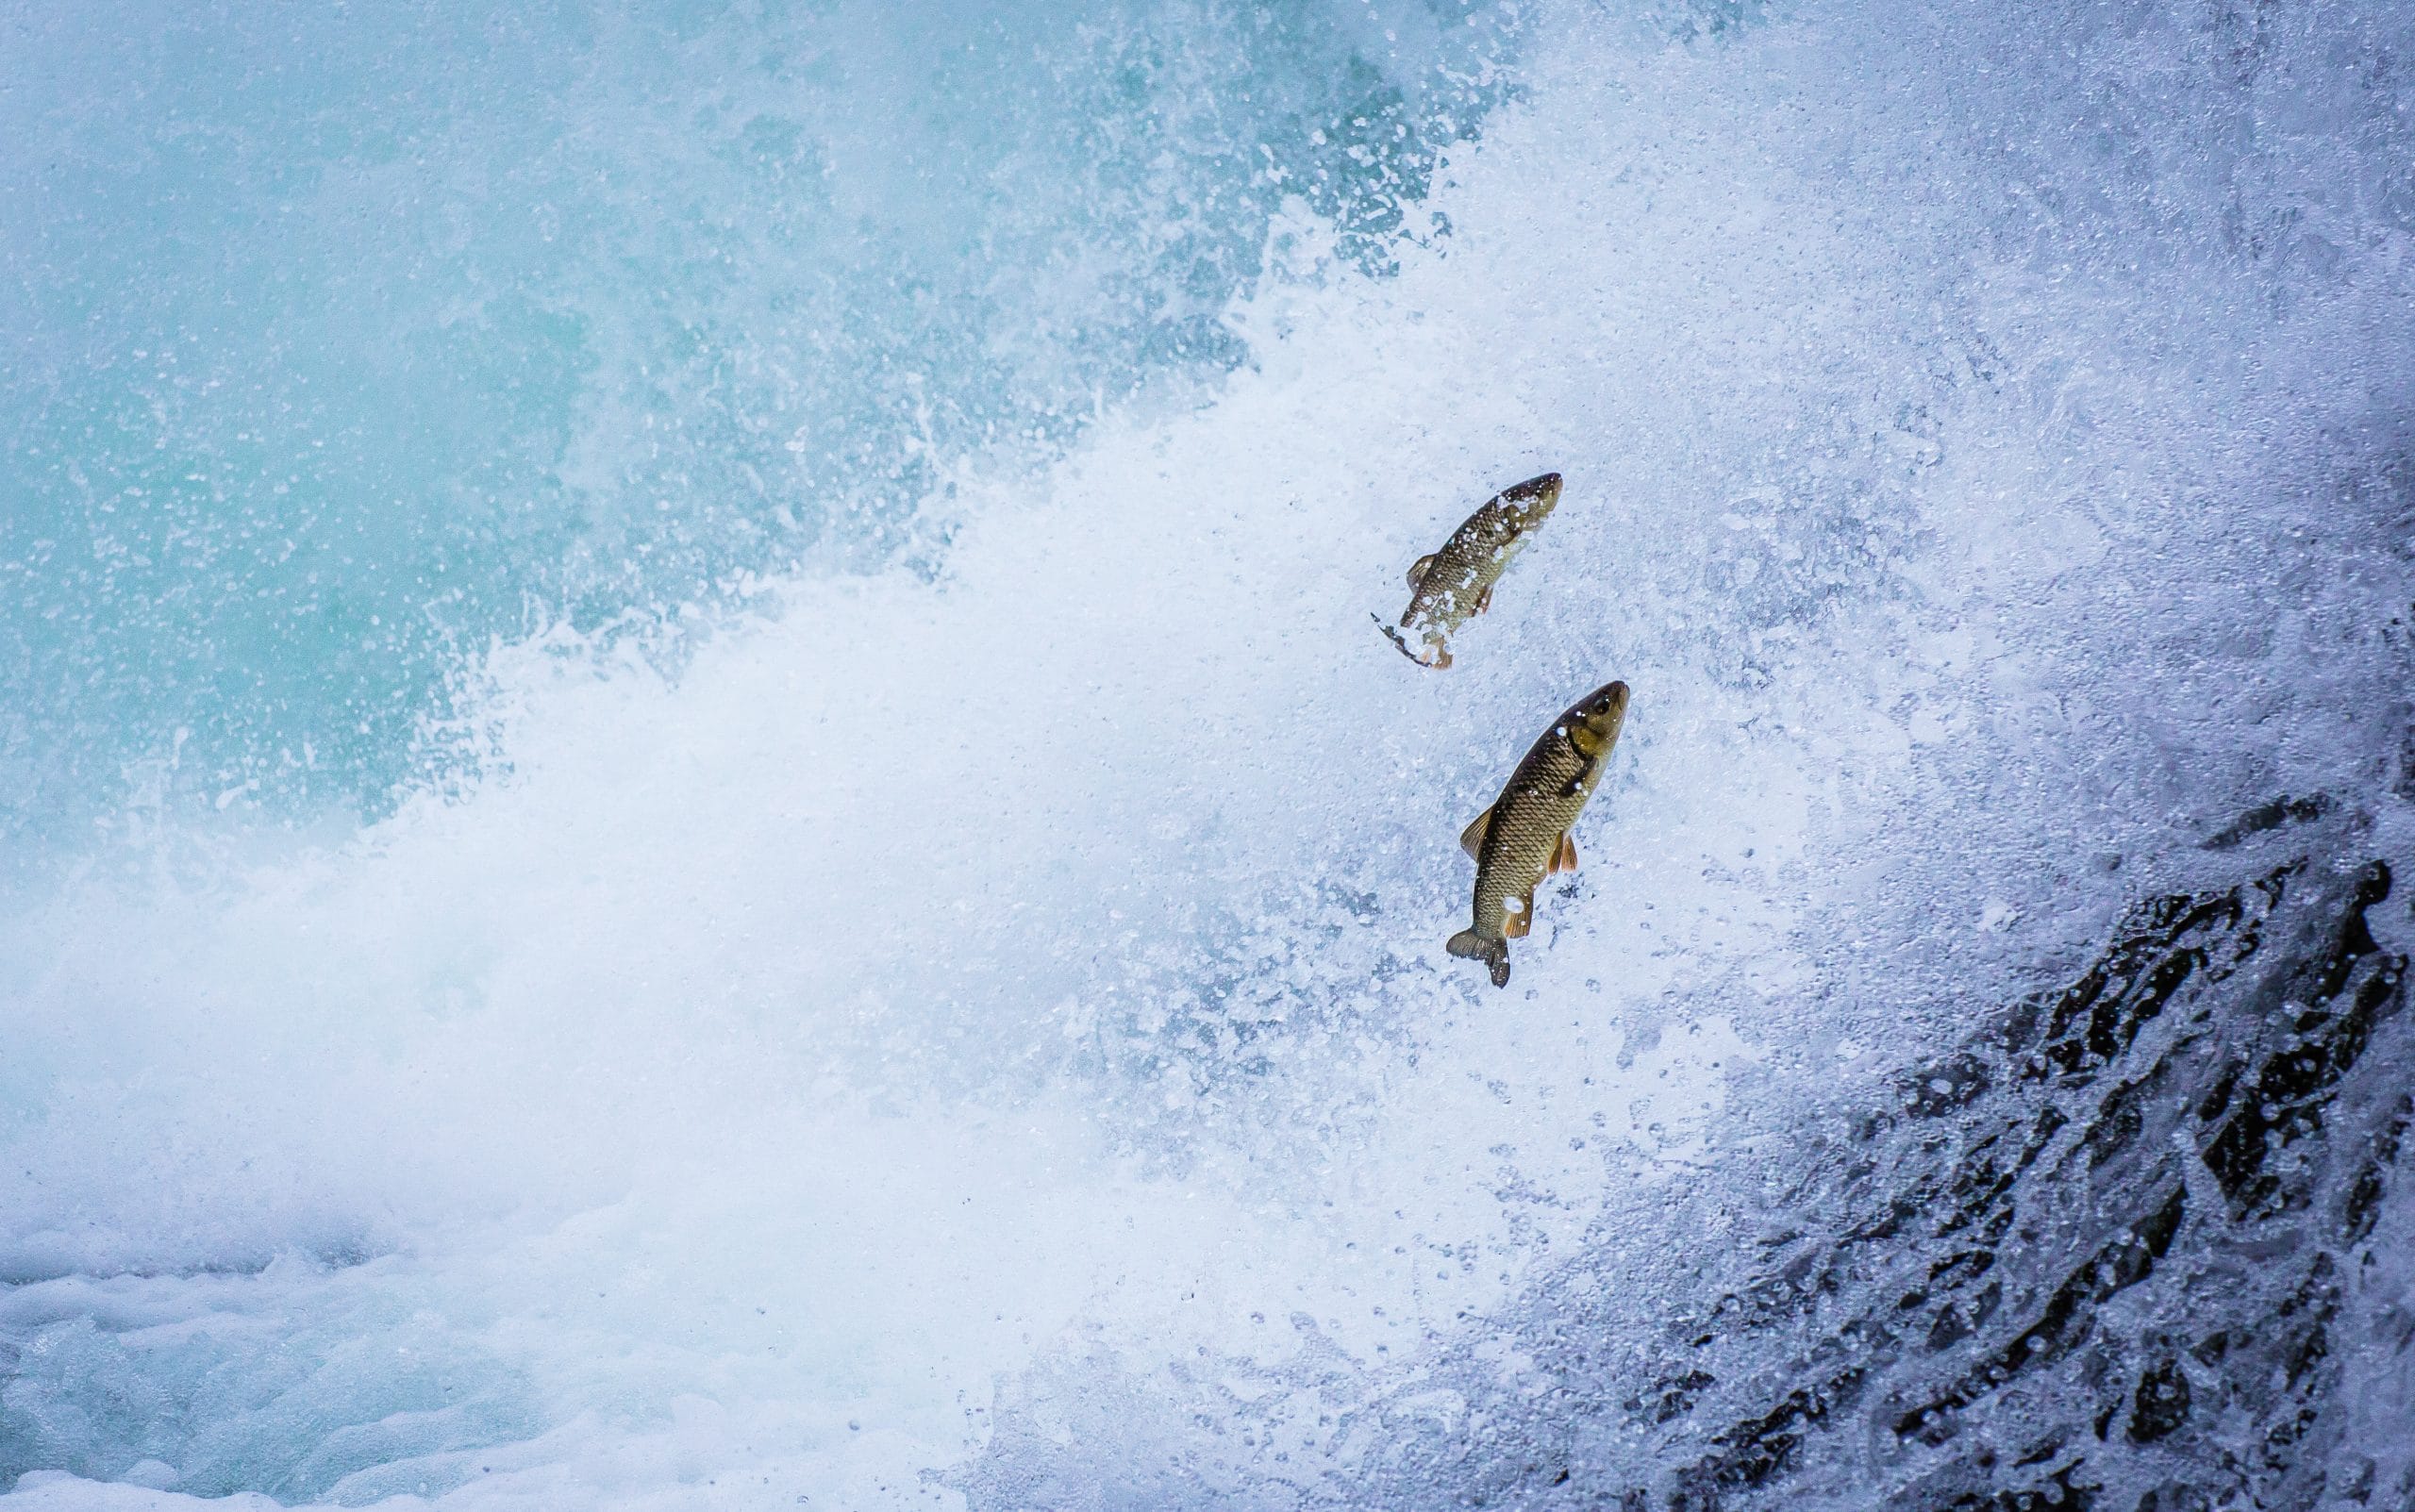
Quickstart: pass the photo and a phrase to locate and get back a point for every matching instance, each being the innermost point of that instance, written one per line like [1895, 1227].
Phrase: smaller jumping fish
[1524, 837]
[1454, 584]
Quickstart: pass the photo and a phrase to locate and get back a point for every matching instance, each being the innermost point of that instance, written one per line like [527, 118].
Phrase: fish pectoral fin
[1484, 601]
[1564, 858]
[1472, 838]
[1515, 926]
[1418, 569]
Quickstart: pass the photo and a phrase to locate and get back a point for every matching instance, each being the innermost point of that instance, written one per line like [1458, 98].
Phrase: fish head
[1527, 505]
[1604, 710]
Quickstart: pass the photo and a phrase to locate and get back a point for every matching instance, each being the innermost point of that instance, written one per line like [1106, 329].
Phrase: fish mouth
[1534, 498]
[1607, 702]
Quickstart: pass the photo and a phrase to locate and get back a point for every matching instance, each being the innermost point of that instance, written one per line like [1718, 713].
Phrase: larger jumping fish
[1454, 584]
[1523, 837]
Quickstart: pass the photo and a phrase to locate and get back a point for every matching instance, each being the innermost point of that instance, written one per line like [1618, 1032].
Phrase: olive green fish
[1524, 837]
[1454, 584]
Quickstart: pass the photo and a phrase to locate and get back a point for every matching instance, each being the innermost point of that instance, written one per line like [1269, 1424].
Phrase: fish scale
[1524, 836]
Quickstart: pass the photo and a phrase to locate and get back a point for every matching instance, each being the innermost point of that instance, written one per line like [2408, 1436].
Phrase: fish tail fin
[1397, 640]
[1494, 953]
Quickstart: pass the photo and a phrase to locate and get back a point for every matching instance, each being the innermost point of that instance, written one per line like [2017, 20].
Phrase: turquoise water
[342, 341]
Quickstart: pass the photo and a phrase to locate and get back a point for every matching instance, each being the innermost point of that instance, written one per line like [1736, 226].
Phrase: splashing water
[365, 339]
[913, 976]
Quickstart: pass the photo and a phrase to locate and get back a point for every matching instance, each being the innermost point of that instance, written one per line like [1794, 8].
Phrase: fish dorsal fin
[1472, 838]
[1418, 569]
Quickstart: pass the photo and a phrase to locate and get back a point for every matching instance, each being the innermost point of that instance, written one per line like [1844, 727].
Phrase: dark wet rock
[2161, 1403]
[2269, 816]
[2141, 1243]
[2105, 1254]
[2114, 1252]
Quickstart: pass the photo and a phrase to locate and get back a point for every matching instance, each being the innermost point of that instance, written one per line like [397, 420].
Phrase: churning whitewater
[699, 811]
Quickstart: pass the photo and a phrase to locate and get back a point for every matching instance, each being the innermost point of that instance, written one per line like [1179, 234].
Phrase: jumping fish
[1453, 584]
[1524, 837]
